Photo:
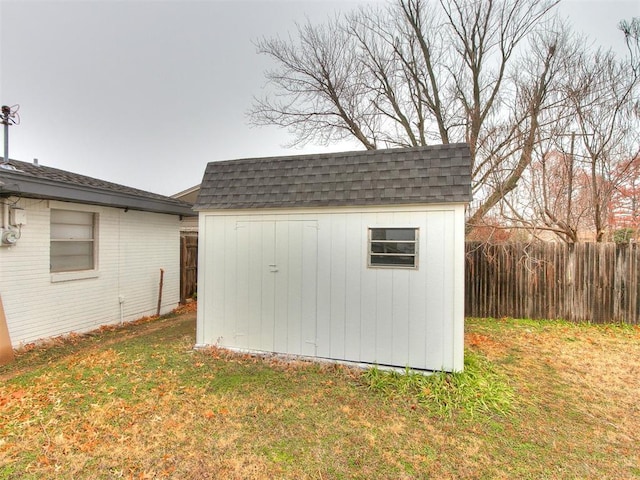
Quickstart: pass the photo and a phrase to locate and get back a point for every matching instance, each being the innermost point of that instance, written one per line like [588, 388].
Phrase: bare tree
[631, 30]
[420, 72]
[624, 207]
[319, 88]
[557, 198]
[567, 191]
[548, 197]
[601, 96]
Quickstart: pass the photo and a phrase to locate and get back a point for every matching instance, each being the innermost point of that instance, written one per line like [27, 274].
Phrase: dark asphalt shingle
[69, 178]
[111, 194]
[433, 174]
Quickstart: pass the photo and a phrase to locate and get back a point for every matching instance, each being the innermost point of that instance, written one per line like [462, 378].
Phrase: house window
[72, 241]
[393, 247]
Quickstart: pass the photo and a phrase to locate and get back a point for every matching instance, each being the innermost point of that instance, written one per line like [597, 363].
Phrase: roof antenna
[8, 117]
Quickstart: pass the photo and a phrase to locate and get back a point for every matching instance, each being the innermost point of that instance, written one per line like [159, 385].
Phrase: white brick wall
[132, 248]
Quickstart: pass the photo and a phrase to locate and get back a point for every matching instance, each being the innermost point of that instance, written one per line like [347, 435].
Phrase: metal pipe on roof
[9, 116]
[6, 111]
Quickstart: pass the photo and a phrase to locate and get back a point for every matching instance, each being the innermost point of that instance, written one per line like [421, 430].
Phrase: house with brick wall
[78, 252]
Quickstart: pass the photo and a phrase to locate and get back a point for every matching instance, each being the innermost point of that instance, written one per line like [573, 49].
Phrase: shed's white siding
[297, 282]
[132, 248]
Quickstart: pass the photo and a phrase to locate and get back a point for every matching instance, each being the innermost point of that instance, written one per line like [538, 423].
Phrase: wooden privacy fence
[188, 266]
[595, 282]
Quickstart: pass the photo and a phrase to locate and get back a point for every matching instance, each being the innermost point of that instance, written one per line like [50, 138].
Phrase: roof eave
[186, 192]
[262, 207]
[19, 185]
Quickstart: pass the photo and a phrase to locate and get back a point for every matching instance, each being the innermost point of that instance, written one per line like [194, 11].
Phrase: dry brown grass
[138, 402]
[579, 386]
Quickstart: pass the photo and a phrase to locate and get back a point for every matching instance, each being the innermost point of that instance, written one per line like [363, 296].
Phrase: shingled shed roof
[433, 174]
[38, 181]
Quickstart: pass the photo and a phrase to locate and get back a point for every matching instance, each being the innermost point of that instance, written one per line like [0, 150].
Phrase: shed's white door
[276, 286]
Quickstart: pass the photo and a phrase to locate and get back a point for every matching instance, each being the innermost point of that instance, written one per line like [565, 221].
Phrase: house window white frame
[393, 247]
[73, 244]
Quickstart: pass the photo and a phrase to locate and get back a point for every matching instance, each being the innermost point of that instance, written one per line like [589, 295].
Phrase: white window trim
[75, 275]
[78, 274]
[394, 227]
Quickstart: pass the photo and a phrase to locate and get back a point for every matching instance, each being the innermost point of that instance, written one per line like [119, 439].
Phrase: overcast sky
[145, 93]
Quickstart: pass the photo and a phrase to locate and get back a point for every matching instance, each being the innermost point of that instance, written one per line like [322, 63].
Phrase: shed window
[393, 247]
[72, 241]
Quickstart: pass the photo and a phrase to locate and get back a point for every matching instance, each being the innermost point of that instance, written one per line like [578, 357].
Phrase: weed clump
[478, 389]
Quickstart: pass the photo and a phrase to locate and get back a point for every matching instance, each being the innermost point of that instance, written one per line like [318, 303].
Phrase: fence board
[597, 282]
[188, 266]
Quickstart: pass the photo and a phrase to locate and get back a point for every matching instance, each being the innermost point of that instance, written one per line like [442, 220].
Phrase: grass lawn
[537, 400]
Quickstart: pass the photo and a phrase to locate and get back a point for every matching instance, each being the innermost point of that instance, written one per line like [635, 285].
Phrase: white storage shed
[355, 256]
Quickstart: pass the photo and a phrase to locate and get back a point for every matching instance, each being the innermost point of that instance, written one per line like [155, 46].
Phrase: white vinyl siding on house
[73, 245]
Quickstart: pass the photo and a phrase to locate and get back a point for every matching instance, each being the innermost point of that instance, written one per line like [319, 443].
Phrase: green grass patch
[477, 389]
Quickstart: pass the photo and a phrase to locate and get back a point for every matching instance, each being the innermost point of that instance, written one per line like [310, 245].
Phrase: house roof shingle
[432, 174]
[39, 181]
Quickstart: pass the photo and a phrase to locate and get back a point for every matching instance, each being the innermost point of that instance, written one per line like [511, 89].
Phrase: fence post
[183, 270]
